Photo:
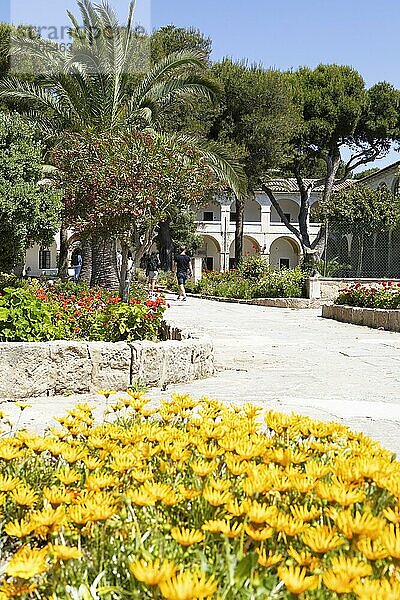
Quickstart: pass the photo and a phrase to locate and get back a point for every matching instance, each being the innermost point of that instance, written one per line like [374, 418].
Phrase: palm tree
[95, 85]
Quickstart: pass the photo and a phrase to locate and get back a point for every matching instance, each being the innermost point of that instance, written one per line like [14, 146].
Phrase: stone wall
[32, 369]
[378, 318]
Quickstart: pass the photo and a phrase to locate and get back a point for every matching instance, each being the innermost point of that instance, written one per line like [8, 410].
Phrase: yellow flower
[350, 567]
[152, 573]
[259, 535]
[24, 496]
[268, 560]
[302, 513]
[377, 589]
[204, 467]
[188, 493]
[62, 552]
[8, 452]
[186, 537]
[392, 515]
[92, 463]
[216, 498]
[23, 405]
[234, 508]
[303, 558]
[18, 529]
[13, 589]
[226, 528]
[141, 497]
[99, 481]
[221, 485]
[159, 491]
[260, 513]
[27, 563]
[48, 520]
[295, 579]
[322, 539]
[391, 540]
[372, 549]
[338, 582]
[67, 476]
[8, 483]
[188, 586]
[107, 393]
[56, 495]
[359, 524]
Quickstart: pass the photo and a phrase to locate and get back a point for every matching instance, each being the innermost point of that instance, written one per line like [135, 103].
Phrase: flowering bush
[254, 279]
[382, 295]
[195, 500]
[70, 312]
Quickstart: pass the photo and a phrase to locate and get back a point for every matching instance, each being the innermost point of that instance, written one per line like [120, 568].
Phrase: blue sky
[282, 34]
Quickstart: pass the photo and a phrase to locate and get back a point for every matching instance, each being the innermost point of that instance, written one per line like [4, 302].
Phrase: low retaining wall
[271, 302]
[32, 369]
[378, 318]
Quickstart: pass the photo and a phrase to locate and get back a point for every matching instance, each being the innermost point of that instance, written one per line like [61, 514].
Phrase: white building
[264, 231]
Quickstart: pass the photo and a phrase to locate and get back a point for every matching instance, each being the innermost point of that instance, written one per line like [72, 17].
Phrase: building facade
[264, 231]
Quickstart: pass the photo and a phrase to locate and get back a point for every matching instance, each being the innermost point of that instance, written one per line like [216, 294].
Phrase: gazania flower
[141, 497]
[322, 539]
[19, 529]
[259, 535]
[187, 537]
[295, 579]
[337, 582]
[55, 495]
[216, 498]
[268, 560]
[260, 513]
[392, 515]
[62, 552]
[303, 558]
[7, 483]
[27, 563]
[67, 476]
[203, 467]
[377, 589]
[372, 549]
[391, 540]
[359, 524]
[153, 573]
[24, 496]
[350, 567]
[302, 513]
[188, 586]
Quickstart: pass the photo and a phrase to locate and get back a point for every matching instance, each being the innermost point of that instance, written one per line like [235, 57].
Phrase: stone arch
[284, 252]
[210, 252]
[250, 247]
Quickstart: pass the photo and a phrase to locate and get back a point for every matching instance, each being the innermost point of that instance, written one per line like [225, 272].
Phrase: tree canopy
[29, 210]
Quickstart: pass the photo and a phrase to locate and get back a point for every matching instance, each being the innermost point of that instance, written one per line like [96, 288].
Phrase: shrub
[201, 500]
[246, 283]
[382, 295]
[67, 311]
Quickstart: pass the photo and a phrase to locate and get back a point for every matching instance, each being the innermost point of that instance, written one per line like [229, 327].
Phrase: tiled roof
[289, 185]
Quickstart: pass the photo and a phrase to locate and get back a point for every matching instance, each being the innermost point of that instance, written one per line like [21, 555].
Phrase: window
[233, 217]
[210, 263]
[208, 216]
[287, 215]
[284, 263]
[44, 259]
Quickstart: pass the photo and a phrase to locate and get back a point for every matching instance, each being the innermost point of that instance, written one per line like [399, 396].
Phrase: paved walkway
[290, 360]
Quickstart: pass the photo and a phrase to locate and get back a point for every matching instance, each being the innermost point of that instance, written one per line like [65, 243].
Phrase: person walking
[152, 267]
[183, 267]
[77, 264]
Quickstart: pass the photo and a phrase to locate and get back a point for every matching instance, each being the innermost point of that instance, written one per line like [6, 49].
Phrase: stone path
[290, 360]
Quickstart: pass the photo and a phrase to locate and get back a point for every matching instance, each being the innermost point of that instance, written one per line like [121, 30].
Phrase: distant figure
[152, 267]
[77, 264]
[183, 271]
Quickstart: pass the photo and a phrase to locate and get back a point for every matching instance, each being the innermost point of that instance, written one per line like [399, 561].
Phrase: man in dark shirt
[183, 271]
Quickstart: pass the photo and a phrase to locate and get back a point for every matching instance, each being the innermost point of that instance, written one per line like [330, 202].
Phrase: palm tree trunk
[104, 264]
[86, 271]
[63, 256]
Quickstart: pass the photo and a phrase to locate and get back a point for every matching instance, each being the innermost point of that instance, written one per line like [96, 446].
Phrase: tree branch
[279, 210]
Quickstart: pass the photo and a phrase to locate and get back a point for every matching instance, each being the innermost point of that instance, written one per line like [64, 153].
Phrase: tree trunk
[104, 265]
[165, 245]
[86, 271]
[63, 256]
[239, 231]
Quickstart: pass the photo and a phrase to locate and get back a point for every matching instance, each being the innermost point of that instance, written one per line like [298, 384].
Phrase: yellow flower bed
[197, 500]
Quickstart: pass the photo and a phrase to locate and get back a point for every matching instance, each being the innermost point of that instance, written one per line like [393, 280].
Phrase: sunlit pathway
[294, 360]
